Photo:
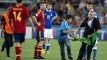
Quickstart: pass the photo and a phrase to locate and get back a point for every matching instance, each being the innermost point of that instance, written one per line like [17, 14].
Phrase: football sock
[47, 47]
[43, 46]
[94, 53]
[39, 49]
[84, 56]
[18, 52]
[35, 53]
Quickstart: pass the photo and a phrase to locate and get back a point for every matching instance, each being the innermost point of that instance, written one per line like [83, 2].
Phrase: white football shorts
[48, 33]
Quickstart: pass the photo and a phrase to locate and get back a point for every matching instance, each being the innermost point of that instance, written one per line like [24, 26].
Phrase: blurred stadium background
[76, 8]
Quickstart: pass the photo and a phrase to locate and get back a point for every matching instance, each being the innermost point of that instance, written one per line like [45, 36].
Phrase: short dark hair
[68, 17]
[19, 1]
[49, 3]
[90, 3]
[43, 2]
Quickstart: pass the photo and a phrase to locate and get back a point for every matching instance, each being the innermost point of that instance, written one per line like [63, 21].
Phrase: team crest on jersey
[36, 14]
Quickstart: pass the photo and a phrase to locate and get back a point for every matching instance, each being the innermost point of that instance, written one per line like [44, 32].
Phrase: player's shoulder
[11, 8]
[39, 11]
[64, 23]
[24, 7]
[45, 10]
[53, 11]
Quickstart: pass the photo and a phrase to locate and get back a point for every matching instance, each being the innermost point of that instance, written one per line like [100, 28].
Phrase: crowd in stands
[77, 8]
[14, 0]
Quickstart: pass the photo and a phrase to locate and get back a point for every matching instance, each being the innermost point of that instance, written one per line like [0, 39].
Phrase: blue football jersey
[64, 26]
[95, 15]
[48, 18]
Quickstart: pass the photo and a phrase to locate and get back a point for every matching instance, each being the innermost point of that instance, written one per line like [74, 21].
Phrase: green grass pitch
[28, 50]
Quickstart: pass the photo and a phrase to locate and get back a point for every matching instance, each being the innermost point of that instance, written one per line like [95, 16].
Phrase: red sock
[39, 51]
[35, 53]
[20, 49]
[17, 50]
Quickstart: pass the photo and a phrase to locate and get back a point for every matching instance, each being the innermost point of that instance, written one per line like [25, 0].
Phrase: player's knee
[38, 42]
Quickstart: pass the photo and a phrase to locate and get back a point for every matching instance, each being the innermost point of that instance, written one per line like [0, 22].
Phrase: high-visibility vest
[7, 26]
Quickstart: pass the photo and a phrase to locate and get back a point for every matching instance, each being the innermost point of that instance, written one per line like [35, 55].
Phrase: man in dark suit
[91, 25]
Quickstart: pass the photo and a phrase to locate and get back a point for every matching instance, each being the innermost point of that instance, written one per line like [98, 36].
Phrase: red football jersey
[19, 14]
[40, 18]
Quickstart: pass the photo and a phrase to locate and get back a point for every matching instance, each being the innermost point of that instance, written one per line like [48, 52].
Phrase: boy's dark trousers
[65, 42]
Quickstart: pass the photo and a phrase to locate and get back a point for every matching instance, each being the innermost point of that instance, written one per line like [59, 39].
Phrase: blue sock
[47, 47]
[84, 56]
[94, 53]
[43, 46]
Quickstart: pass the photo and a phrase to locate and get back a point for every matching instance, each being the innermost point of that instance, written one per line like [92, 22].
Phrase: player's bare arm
[73, 31]
[98, 30]
[55, 17]
[37, 23]
[10, 21]
[78, 30]
[72, 35]
[67, 31]
[2, 27]
[30, 21]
